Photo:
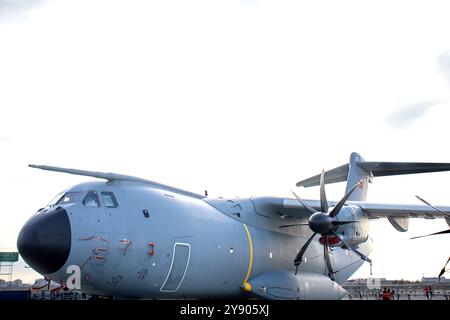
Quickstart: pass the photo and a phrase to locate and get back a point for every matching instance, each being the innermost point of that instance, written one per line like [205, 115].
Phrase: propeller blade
[341, 203]
[327, 260]
[441, 273]
[435, 208]
[323, 196]
[443, 269]
[307, 206]
[299, 256]
[340, 223]
[432, 234]
[362, 256]
[293, 225]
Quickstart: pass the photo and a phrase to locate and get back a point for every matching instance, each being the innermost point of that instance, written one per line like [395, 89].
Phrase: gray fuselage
[162, 244]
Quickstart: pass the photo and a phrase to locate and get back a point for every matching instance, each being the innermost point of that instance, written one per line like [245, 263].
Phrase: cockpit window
[91, 200]
[55, 199]
[69, 197]
[109, 200]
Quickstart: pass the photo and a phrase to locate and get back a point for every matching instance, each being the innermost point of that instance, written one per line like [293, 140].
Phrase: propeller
[324, 223]
[432, 234]
[437, 209]
[443, 269]
[435, 233]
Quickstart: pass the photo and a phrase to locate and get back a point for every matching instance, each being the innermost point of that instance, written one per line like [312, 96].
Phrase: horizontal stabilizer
[379, 169]
[376, 169]
[338, 174]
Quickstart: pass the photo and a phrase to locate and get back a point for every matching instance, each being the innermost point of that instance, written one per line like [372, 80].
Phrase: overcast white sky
[242, 98]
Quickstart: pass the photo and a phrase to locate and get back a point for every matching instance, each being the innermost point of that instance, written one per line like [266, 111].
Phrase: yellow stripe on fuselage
[246, 285]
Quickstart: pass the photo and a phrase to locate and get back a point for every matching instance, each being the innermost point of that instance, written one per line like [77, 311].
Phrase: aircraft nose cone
[45, 239]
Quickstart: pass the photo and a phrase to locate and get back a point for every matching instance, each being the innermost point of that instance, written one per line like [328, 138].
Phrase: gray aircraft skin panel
[137, 238]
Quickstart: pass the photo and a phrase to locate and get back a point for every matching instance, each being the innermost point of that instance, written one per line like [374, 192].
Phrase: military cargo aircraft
[135, 238]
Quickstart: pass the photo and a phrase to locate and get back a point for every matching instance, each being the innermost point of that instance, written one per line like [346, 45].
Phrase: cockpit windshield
[69, 197]
[65, 198]
[56, 199]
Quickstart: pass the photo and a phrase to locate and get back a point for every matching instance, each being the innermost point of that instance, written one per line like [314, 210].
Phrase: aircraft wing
[375, 210]
[385, 210]
[292, 208]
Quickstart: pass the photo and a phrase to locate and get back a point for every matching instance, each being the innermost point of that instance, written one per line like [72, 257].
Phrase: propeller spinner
[325, 224]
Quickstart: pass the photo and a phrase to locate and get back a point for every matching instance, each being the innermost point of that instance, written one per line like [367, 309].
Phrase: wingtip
[36, 166]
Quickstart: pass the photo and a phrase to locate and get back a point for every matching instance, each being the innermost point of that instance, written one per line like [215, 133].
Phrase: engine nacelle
[353, 233]
[285, 285]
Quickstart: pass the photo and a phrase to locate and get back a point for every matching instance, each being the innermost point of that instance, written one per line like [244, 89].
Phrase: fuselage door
[178, 267]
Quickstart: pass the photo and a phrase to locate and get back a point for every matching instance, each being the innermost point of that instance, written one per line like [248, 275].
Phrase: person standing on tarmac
[386, 294]
[427, 293]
